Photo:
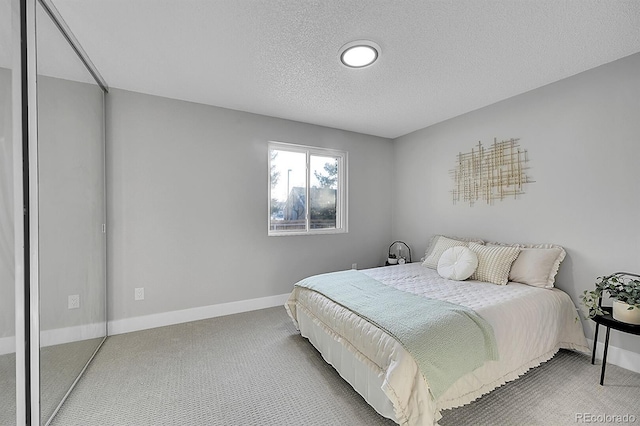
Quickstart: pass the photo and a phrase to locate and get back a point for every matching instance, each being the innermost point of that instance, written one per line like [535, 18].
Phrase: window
[299, 173]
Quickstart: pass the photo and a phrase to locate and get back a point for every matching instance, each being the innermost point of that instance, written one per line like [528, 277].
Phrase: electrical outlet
[73, 301]
[138, 293]
[354, 266]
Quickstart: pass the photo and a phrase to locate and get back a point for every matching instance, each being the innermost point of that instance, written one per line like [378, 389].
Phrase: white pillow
[457, 263]
[439, 247]
[494, 263]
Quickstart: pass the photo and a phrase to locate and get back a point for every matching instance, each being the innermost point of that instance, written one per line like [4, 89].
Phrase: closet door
[71, 214]
[7, 252]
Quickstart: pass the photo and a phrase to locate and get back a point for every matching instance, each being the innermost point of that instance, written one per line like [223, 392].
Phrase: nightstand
[608, 321]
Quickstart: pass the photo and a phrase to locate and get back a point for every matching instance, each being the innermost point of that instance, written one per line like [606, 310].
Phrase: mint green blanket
[446, 340]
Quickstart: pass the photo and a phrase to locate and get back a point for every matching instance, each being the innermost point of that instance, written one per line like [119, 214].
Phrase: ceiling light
[359, 53]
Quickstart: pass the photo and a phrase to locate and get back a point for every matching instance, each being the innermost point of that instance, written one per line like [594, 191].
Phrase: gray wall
[187, 205]
[583, 138]
[71, 202]
[7, 284]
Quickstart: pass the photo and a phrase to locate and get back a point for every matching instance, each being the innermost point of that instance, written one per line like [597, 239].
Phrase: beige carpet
[8, 389]
[255, 369]
[61, 365]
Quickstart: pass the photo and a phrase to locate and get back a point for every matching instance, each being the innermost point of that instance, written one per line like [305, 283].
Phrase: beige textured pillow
[494, 263]
[537, 264]
[439, 246]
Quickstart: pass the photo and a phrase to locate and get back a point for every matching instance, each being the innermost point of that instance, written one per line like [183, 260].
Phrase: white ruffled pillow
[434, 255]
[438, 246]
[457, 263]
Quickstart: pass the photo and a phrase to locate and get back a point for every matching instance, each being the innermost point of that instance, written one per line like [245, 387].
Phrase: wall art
[492, 173]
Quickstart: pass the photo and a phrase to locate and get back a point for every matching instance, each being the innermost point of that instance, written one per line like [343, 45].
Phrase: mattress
[530, 325]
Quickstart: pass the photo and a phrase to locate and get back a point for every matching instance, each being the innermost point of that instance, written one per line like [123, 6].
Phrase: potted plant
[624, 289]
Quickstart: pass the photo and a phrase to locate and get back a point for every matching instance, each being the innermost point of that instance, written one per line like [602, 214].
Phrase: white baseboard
[617, 356]
[58, 336]
[128, 325]
[90, 331]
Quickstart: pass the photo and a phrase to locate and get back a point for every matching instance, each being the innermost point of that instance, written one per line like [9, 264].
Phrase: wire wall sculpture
[493, 173]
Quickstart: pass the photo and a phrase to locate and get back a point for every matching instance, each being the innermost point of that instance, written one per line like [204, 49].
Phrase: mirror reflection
[7, 284]
[71, 214]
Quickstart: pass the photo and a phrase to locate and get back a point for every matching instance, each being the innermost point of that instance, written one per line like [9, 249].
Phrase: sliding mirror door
[7, 258]
[71, 214]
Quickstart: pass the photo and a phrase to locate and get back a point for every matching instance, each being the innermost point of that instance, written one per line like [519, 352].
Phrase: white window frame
[341, 197]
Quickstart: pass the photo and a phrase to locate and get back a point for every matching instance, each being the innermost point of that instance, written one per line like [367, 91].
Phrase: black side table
[608, 321]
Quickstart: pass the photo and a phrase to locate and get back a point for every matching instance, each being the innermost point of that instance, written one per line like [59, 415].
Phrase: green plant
[619, 286]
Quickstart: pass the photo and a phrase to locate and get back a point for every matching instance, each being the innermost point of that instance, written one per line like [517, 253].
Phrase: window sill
[314, 232]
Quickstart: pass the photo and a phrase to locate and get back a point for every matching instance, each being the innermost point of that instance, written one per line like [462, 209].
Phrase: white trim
[145, 322]
[58, 336]
[33, 300]
[618, 356]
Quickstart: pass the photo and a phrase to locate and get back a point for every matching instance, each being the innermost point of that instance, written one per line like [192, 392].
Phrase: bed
[530, 324]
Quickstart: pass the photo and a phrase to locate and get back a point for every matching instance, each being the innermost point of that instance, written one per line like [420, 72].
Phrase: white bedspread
[530, 325]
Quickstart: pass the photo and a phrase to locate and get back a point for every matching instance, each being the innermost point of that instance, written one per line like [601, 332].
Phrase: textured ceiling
[439, 59]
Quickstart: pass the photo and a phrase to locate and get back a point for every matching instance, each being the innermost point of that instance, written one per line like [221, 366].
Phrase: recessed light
[359, 53]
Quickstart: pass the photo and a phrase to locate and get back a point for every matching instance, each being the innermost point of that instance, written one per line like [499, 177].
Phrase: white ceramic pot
[622, 313]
